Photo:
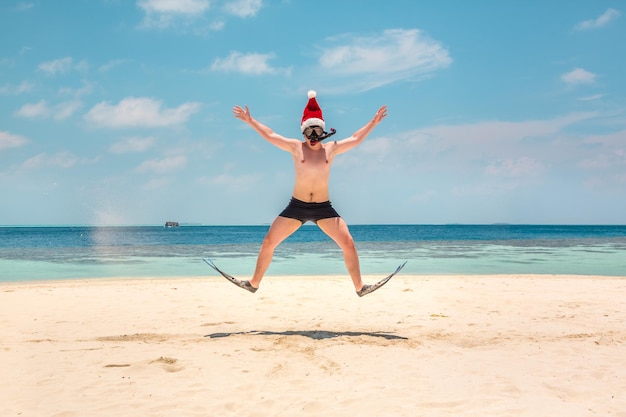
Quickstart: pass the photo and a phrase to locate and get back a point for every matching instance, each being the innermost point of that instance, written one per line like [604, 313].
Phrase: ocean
[73, 252]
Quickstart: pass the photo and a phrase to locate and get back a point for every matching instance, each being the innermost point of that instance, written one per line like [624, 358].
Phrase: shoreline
[516, 345]
[370, 278]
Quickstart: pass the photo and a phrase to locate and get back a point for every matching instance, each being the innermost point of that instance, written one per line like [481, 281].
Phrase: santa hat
[312, 115]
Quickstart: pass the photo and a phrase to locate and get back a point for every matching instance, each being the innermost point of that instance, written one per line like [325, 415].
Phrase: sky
[119, 112]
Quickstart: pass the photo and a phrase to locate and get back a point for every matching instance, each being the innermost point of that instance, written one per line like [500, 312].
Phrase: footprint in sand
[168, 364]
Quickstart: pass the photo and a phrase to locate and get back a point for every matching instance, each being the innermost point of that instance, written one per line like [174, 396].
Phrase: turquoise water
[52, 253]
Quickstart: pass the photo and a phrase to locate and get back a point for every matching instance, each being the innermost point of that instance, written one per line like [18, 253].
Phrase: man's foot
[243, 284]
[368, 289]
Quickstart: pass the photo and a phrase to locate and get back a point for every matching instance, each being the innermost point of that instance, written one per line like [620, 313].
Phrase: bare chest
[312, 160]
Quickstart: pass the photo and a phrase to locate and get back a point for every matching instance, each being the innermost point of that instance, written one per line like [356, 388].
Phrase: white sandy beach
[422, 346]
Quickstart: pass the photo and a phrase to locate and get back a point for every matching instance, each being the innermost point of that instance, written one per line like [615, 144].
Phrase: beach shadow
[311, 334]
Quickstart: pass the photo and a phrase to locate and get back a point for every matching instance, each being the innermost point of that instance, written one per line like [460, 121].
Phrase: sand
[308, 346]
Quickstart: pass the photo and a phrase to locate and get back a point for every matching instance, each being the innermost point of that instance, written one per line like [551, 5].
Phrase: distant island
[171, 224]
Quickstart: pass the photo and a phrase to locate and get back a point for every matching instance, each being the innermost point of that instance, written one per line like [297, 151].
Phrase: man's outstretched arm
[265, 132]
[360, 135]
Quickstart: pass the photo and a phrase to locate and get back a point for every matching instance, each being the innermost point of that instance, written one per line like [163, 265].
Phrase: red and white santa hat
[312, 115]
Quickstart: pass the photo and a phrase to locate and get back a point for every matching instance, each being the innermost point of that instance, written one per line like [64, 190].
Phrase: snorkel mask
[317, 134]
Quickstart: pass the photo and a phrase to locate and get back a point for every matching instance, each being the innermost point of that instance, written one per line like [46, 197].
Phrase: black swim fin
[368, 289]
[241, 284]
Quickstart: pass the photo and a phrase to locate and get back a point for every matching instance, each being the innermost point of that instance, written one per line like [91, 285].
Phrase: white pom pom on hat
[312, 115]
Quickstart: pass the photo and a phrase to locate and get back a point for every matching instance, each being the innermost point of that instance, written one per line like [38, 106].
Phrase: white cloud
[519, 167]
[112, 64]
[6, 62]
[615, 139]
[606, 17]
[168, 164]
[8, 140]
[190, 15]
[232, 182]
[66, 109]
[496, 157]
[250, 64]
[217, 25]
[602, 161]
[395, 54]
[23, 6]
[591, 98]
[610, 151]
[162, 14]
[139, 112]
[579, 76]
[174, 6]
[43, 110]
[133, 144]
[30, 110]
[620, 178]
[86, 89]
[23, 87]
[483, 189]
[62, 66]
[491, 134]
[243, 8]
[59, 160]
[500, 149]
[156, 183]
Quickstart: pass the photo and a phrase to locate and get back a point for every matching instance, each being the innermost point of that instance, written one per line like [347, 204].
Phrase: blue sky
[119, 112]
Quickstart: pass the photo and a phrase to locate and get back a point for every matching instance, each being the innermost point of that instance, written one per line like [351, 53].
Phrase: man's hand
[380, 115]
[242, 114]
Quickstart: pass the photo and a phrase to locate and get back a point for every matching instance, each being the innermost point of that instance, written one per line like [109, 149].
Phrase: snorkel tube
[314, 138]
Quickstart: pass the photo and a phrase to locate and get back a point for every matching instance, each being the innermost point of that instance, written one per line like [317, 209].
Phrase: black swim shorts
[305, 212]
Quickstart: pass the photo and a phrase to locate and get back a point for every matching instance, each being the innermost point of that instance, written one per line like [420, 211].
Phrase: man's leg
[337, 229]
[281, 229]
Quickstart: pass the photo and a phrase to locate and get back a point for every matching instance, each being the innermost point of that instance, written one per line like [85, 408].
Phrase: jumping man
[310, 199]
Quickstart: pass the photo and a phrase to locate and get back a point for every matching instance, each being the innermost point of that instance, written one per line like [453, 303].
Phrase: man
[310, 202]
